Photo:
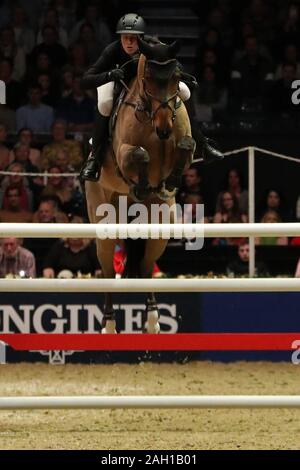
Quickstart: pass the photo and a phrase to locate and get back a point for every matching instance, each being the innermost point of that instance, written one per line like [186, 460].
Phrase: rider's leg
[206, 146]
[92, 167]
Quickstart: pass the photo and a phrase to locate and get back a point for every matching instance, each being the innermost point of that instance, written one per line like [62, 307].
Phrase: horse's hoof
[152, 326]
[152, 329]
[187, 143]
[109, 328]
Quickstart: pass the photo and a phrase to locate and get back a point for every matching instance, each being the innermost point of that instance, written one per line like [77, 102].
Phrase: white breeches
[106, 94]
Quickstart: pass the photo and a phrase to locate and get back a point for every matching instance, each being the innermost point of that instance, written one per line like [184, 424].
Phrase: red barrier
[148, 342]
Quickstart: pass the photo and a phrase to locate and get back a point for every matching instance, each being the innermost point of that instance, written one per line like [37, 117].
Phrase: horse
[150, 148]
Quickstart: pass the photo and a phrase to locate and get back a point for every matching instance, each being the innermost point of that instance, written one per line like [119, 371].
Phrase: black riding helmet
[131, 23]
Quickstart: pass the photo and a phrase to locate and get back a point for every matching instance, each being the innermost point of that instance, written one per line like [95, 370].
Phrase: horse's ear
[145, 48]
[174, 48]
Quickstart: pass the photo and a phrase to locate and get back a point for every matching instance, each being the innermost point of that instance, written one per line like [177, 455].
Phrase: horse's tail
[135, 250]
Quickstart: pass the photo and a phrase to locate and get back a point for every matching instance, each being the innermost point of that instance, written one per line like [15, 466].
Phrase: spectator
[7, 118]
[234, 185]
[23, 33]
[291, 56]
[75, 254]
[49, 91]
[60, 143]
[49, 212]
[273, 200]
[51, 18]
[192, 183]
[78, 59]
[281, 101]
[228, 212]
[77, 109]
[10, 50]
[88, 39]
[17, 179]
[240, 266]
[66, 84]
[261, 18]
[16, 260]
[4, 152]
[210, 98]
[35, 115]
[25, 136]
[270, 217]
[71, 201]
[50, 46]
[12, 211]
[91, 16]
[66, 12]
[14, 90]
[251, 78]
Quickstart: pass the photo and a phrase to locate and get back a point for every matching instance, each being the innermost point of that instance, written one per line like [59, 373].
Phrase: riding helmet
[131, 23]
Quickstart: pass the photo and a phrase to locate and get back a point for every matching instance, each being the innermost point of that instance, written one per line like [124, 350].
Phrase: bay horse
[150, 149]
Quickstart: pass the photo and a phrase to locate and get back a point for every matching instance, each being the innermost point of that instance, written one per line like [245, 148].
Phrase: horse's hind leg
[153, 250]
[151, 324]
[105, 251]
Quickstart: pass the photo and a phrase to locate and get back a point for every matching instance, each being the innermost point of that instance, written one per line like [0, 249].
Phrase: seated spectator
[210, 98]
[66, 13]
[17, 179]
[100, 27]
[23, 33]
[240, 266]
[71, 200]
[51, 18]
[291, 56]
[251, 78]
[15, 260]
[260, 15]
[40, 65]
[229, 212]
[77, 109]
[35, 115]
[50, 46]
[274, 201]
[271, 217]
[25, 137]
[78, 59]
[192, 183]
[10, 50]
[191, 214]
[14, 90]
[48, 212]
[4, 152]
[11, 208]
[8, 118]
[66, 84]
[74, 254]
[88, 39]
[60, 143]
[49, 91]
[21, 155]
[281, 101]
[234, 185]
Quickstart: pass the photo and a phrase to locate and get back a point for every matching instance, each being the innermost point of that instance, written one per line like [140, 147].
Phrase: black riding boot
[206, 146]
[92, 167]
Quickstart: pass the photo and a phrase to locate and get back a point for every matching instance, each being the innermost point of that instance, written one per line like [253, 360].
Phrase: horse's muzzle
[163, 134]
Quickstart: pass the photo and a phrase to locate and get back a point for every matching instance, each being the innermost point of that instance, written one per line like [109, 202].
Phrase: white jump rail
[151, 285]
[205, 401]
[147, 230]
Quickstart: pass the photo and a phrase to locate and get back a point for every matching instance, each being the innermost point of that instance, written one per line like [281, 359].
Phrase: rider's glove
[116, 75]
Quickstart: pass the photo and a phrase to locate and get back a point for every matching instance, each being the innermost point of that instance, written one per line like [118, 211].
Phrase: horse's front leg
[105, 252]
[134, 165]
[153, 250]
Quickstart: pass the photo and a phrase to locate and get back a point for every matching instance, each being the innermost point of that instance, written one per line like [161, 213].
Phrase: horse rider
[105, 73]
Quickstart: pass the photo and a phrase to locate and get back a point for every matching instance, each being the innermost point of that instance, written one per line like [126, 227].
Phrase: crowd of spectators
[247, 58]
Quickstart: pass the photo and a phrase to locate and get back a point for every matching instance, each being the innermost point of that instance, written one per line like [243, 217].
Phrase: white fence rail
[205, 401]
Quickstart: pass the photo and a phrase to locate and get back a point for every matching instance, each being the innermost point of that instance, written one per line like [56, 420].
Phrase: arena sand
[150, 429]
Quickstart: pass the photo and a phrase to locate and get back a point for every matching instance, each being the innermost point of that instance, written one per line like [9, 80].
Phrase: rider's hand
[116, 75]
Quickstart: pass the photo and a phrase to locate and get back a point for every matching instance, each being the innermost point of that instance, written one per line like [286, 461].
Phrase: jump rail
[147, 230]
[205, 401]
[151, 285]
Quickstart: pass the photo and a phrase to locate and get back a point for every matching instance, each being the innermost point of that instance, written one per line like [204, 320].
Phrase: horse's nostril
[163, 134]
